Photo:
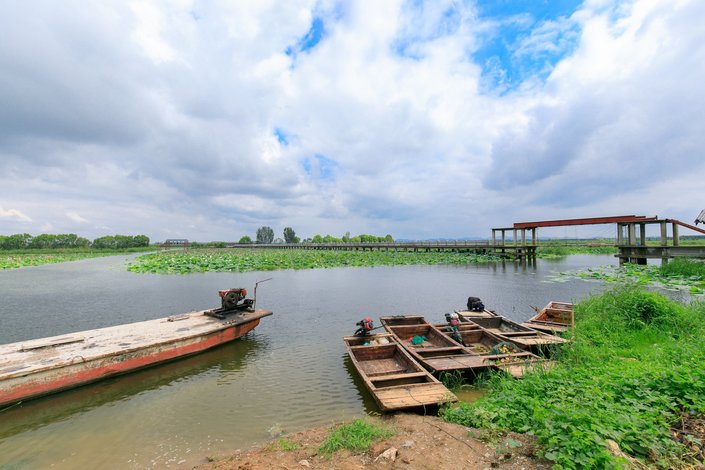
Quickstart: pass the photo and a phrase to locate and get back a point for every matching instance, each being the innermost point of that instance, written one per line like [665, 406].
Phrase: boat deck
[32, 356]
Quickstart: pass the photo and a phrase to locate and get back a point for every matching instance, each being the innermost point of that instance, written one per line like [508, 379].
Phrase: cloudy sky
[206, 120]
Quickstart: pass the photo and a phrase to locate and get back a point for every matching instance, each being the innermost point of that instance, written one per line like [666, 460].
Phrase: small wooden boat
[471, 313]
[556, 317]
[392, 376]
[33, 368]
[497, 352]
[524, 337]
[429, 346]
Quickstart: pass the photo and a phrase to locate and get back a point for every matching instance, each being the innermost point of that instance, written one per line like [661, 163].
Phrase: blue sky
[419, 119]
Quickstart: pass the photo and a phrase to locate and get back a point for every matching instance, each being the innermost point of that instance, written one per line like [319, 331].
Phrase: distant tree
[245, 240]
[346, 237]
[140, 240]
[290, 235]
[389, 239]
[265, 235]
[18, 241]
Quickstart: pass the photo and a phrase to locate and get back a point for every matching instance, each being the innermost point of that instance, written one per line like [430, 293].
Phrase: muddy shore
[419, 442]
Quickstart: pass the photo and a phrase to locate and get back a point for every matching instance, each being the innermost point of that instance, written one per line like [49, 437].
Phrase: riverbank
[418, 442]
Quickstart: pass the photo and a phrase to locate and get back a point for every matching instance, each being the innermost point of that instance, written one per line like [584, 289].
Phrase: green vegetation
[45, 241]
[635, 371]
[356, 436]
[681, 267]
[678, 274]
[242, 260]
[265, 235]
[286, 445]
[10, 259]
[550, 251]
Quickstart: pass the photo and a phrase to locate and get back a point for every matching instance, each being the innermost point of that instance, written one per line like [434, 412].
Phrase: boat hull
[72, 369]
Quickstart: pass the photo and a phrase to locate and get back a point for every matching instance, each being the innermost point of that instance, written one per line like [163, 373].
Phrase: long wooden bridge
[511, 242]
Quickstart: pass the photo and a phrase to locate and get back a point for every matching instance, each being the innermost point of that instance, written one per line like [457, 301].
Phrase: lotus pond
[677, 275]
[245, 260]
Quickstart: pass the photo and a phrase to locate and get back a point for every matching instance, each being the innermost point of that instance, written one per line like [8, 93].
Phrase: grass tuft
[356, 436]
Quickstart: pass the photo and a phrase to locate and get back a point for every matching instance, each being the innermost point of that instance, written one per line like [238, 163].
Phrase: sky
[207, 120]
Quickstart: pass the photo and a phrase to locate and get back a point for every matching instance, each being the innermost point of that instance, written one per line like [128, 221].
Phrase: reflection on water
[289, 373]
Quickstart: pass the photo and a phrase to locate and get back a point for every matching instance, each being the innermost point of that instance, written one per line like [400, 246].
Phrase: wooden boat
[392, 376]
[524, 337]
[556, 317]
[497, 352]
[437, 352]
[471, 313]
[33, 368]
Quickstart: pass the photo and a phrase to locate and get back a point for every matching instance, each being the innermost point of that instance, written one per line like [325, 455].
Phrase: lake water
[288, 374]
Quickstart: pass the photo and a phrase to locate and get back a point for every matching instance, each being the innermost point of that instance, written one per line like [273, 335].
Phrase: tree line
[25, 241]
[265, 235]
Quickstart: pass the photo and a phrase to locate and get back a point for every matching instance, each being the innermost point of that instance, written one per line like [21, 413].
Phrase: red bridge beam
[585, 221]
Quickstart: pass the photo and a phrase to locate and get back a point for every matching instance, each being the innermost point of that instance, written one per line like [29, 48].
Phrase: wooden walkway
[474, 246]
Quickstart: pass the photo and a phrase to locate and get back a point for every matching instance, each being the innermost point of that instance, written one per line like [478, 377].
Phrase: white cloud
[165, 114]
[14, 214]
[75, 217]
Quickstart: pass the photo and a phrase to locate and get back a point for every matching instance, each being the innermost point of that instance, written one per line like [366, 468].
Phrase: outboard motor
[454, 327]
[475, 304]
[366, 325]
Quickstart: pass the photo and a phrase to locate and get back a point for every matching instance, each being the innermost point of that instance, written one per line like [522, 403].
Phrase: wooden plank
[398, 376]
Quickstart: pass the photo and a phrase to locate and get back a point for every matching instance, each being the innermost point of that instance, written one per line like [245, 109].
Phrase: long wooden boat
[392, 376]
[523, 336]
[556, 317]
[497, 352]
[29, 369]
[437, 352]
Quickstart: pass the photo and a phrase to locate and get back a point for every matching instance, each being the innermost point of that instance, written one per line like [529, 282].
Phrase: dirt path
[421, 442]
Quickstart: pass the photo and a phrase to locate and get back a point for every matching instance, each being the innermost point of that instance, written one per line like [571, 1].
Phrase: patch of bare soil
[420, 442]
[690, 432]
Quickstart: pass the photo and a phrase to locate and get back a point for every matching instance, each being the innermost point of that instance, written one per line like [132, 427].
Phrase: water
[290, 373]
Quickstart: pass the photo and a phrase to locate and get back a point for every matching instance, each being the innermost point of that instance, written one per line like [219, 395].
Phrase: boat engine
[231, 301]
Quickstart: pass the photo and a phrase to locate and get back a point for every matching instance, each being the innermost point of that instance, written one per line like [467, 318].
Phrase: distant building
[175, 243]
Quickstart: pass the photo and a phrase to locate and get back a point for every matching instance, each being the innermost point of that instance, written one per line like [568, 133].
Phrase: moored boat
[429, 346]
[497, 352]
[556, 317]
[395, 380]
[524, 337]
[33, 368]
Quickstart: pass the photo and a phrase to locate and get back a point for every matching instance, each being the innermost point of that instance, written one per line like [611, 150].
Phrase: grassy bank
[10, 259]
[635, 375]
[242, 260]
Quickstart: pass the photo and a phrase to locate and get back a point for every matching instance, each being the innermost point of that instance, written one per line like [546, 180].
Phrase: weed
[286, 445]
[356, 436]
[452, 380]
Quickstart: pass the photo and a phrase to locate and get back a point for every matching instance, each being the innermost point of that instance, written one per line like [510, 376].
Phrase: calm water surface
[288, 374]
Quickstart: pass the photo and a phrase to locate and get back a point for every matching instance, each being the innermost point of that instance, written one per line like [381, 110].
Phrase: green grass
[684, 267]
[286, 445]
[356, 436]
[637, 363]
[10, 259]
[242, 260]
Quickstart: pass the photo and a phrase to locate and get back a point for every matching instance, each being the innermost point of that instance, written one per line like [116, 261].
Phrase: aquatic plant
[678, 274]
[10, 260]
[636, 365]
[355, 436]
[243, 260]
